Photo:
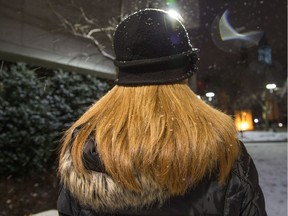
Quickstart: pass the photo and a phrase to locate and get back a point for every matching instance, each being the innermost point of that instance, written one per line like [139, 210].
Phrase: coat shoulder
[243, 188]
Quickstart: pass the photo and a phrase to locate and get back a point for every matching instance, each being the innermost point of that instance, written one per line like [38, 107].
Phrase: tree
[89, 19]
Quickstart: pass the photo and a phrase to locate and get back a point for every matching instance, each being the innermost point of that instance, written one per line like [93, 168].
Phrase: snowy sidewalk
[52, 212]
[262, 136]
[271, 162]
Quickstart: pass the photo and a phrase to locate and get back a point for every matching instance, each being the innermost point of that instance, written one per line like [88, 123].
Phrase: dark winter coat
[241, 195]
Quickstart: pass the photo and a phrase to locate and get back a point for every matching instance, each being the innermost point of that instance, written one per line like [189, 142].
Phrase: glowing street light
[269, 103]
[271, 86]
[210, 95]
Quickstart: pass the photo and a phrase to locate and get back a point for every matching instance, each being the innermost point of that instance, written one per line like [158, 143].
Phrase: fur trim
[99, 191]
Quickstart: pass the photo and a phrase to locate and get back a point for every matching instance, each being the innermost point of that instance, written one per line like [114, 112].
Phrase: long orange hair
[161, 131]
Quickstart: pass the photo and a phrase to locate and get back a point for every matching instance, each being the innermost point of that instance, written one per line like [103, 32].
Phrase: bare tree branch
[73, 2]
[86, 30]
[110, 28]
[121, 9]
[87, 27]
[101, 49]
[90, 21]
[64, 22]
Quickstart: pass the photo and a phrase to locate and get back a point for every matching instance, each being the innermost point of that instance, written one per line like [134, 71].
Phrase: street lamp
[269, 103]
[271, 87]
[256, 120]
[210, 95]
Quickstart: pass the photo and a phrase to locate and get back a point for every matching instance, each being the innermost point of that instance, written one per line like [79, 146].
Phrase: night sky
[244, 16]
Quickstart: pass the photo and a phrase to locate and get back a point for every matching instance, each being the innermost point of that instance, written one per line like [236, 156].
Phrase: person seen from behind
[150, 146]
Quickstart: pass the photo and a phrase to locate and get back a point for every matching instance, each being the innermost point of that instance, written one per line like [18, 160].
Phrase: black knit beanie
[151, 48]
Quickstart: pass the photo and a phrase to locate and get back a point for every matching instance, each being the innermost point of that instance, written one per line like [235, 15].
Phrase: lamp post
[269, 100]
[271, 87]
[210, 95]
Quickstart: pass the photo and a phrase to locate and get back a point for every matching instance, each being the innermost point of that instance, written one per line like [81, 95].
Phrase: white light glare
[227, 32]
[210, 94]
[280, 124]
[174, 14]
[256, 120]
[271, 86]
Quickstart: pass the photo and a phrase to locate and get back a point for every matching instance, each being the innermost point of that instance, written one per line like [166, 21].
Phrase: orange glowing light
[243, 120]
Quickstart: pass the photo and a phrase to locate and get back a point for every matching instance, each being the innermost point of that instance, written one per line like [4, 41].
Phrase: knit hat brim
[163, 70]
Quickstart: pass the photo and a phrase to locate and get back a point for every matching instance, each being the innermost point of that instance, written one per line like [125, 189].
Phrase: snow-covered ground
[52, 212]
[271, 162]
[269, 152]
[262, 136]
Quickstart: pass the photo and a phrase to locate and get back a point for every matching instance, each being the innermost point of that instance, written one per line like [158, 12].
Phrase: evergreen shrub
[36, 110]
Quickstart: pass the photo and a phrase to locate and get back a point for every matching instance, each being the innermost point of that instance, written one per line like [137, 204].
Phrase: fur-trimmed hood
[98, 191]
